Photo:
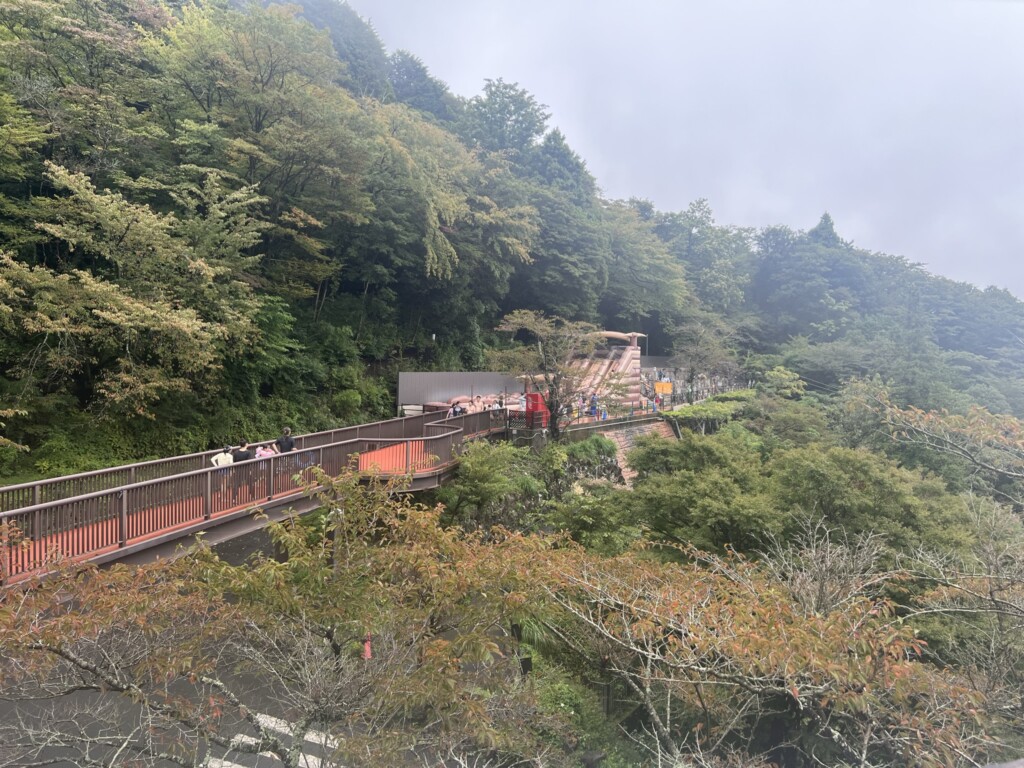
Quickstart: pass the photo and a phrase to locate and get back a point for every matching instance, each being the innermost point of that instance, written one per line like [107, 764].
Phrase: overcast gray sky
[902, 118]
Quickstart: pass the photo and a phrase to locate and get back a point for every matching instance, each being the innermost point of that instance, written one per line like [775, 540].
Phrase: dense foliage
[388, 639]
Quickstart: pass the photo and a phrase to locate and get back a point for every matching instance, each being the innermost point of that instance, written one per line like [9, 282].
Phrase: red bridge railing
[40, 491]
[83, 525]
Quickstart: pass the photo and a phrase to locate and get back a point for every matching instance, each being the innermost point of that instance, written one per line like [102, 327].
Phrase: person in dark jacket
[285, 443]
[242, 453]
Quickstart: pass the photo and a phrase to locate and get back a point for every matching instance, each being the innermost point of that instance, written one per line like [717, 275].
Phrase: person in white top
[223, 458]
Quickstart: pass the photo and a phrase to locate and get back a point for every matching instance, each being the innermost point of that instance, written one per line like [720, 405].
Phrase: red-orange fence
[100, 521]
[41, 491]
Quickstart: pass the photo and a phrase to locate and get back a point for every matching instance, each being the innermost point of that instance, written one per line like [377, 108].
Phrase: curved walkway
[103, 515]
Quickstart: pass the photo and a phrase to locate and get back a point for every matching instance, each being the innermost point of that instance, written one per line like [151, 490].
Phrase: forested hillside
[218, 218]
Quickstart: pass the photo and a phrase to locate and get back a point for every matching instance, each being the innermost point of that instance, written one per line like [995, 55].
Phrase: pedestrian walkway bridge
[149, 507]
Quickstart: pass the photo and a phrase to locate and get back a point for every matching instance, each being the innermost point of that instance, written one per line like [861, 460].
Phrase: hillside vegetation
[217, 219]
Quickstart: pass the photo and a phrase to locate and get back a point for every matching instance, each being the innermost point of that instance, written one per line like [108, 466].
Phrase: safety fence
[41, 491]
[97, 522]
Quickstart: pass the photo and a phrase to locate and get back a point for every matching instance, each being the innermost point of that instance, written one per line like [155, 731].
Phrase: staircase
[625, 439]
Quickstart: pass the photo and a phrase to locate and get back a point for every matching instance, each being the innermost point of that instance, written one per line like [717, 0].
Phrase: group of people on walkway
[283, 444]
[476, 405]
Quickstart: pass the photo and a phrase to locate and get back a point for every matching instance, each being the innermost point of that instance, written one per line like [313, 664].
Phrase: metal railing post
[408, 457]
[122, 520]
[270, 481]
[208, 497]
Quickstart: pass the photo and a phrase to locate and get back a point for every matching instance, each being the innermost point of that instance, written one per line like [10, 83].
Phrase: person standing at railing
[285, 443]
[242, 453]
[241, 474]
[222, 460]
